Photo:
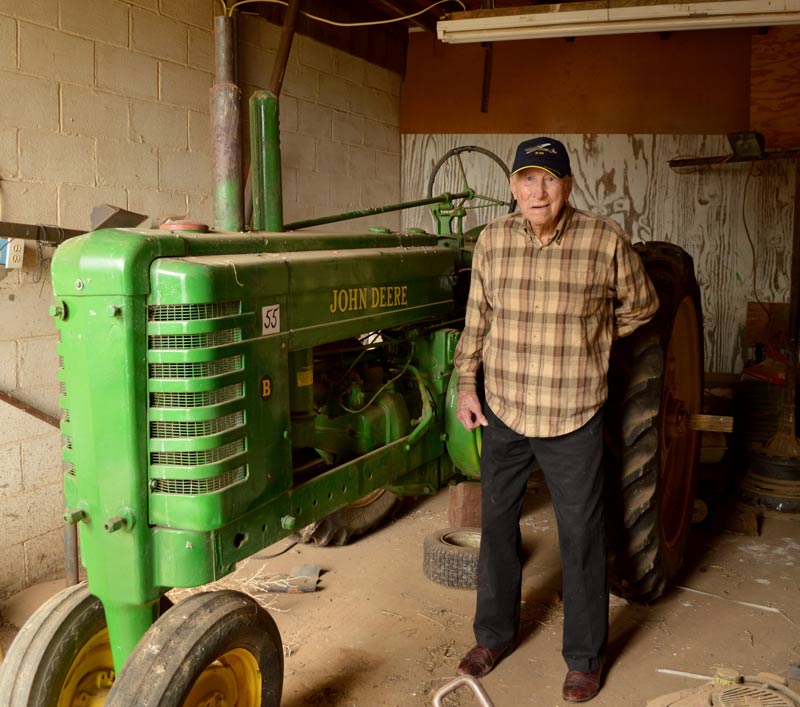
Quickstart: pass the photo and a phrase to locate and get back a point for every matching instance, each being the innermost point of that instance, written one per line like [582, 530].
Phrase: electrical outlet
[14, 252]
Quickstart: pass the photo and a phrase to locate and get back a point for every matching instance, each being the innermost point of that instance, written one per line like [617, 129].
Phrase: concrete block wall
[106, 101]
[339, 120]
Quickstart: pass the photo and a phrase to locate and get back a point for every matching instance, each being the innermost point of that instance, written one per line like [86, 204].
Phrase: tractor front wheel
[213, 648]
[61, 657]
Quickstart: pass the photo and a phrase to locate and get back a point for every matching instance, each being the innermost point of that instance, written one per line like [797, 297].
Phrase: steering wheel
[451, 175]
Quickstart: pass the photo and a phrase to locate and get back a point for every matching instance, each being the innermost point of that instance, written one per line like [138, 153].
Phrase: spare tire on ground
[450, 557]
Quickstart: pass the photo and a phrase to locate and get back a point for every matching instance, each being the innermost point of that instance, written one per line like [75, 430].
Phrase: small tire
[64, 641]
[450, 557]
[212, 642]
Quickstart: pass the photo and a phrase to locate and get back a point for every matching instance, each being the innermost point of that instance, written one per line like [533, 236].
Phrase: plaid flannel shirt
[541, 319]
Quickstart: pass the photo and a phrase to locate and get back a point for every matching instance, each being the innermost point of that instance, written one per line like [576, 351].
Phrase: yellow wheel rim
[91, 674]
[232, 680]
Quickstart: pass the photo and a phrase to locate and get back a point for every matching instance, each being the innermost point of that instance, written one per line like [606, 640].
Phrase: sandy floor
[377, 632]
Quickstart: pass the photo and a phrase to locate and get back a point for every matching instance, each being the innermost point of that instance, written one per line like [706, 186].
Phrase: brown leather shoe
[480, 660]
[581, 687]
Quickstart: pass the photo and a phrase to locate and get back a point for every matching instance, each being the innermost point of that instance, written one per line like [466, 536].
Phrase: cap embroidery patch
[541, 149]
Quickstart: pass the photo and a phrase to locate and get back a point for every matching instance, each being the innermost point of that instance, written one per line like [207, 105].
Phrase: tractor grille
[208, 456]
[198, 487]
[196, 392]
[206, 369]
[204, 398]
[192, 312]
[171, 342]
[200, 428]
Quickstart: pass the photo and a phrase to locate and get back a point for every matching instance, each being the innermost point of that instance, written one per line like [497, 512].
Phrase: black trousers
[572, 466]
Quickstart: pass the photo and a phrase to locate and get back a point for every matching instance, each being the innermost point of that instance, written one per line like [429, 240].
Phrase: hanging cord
[230, 10]
[382, 388]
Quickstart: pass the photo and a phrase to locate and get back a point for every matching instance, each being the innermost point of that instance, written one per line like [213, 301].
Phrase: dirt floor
[376, 632]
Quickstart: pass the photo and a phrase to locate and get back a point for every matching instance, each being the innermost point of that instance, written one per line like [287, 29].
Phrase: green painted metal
[266, 162]
[464, 448]
[228, 213]
[218, 392]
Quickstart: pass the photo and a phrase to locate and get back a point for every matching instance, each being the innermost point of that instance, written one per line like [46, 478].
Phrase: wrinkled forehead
[536, 172]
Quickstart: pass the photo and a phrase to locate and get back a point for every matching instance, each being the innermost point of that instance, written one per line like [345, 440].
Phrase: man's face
[540, 196]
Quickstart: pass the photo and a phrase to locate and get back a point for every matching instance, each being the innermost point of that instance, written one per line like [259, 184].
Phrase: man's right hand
[469, 411]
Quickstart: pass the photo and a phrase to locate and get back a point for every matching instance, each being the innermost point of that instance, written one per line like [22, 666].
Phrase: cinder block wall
[106, 101]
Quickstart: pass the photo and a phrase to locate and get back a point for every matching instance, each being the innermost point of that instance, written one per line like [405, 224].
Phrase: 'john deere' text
[354, 299]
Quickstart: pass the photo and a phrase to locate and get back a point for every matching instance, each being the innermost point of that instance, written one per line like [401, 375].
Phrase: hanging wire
[382, 388]
[230, 10]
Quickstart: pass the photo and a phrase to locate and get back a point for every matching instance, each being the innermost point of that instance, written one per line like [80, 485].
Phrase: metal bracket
[470, 682]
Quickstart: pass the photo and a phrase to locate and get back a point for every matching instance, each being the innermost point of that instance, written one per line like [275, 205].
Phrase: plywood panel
[687, 83]
[734, 220]
[775, 86]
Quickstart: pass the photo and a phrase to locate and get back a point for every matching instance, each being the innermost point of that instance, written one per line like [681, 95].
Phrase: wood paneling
[735, 220]
[687, 83]
[775, 86]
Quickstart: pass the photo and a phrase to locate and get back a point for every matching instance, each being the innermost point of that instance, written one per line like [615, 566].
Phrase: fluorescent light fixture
[613, 17]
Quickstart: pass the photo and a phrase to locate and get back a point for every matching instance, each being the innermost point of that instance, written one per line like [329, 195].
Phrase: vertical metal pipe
[71, 553]
[284, 46]
[265, 162]
[224, 63]
[275, 84]
[226, 145]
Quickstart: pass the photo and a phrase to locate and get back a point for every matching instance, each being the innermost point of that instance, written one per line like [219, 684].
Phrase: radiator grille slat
[197, 487]
[211, 373]
[205, 369]
[204, 398]
[199, 457]
[192, 312]
[171, 342]
[168, 429]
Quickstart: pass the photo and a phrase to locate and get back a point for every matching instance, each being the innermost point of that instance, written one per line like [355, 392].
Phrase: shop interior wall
[625, 106]
[107, 102]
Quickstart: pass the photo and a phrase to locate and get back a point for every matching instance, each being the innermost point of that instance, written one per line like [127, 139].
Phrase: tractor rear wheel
[351, 521]
[655, 384]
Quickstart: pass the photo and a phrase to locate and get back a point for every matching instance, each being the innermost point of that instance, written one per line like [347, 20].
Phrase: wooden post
[465, 506]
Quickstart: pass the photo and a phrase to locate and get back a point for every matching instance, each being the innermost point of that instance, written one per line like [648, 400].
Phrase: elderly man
[551, 287]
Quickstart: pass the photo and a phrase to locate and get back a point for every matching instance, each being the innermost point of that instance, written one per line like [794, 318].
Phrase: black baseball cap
[545, 153]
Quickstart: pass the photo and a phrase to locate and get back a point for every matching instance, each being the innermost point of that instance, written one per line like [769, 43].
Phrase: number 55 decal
[270, 319]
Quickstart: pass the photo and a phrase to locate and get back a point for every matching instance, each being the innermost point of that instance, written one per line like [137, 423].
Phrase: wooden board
[775, 86]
